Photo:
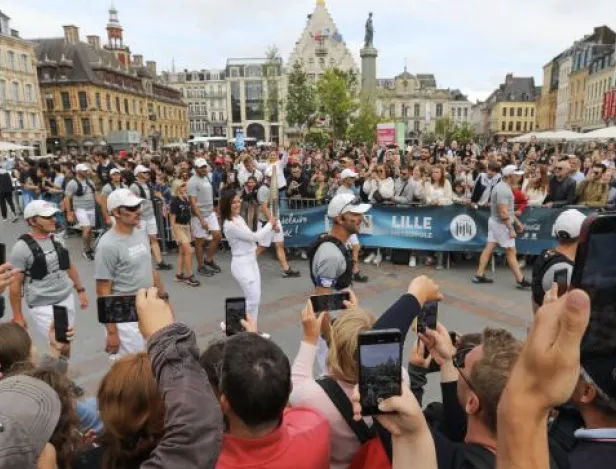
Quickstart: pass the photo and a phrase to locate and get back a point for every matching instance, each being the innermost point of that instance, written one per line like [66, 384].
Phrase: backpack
[38, 270]
[346, 278]
[142, 193]
[80, 190]
[372, 453]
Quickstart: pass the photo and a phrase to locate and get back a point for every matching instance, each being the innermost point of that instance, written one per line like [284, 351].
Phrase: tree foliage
[301, 97]
[336, 96]
[446, 130]
[271, 73]
[363, 127]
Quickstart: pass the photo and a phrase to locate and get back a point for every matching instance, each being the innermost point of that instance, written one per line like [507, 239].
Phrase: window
[68, 126]
[511, 126]
[66, 100]
[519, 112]
[134, 106]
[235, 73]
[525, 126]
[2, 89]
[392, 110]
[110, 125]
[53, 127]
[119, 125]
[531, 127]
[24, 63]
[525, 113]
[85, 126]
[101, 126]
[518, 126]
[29, 94]
[108, 101]
[97, 97]
[49, 102]
[404, 110]
[126, 111]
[11, 57]
[504, 126]
[34, 120]
[439, 110]
[459, 112]
[504, 113]
[15, 91]
[511, 112]
[532, 113]
[416, 110]
[416, 126]
[213, 116]
[117, 100]
[221, 116]
[20, 120]
[83, 101]
[465, 112]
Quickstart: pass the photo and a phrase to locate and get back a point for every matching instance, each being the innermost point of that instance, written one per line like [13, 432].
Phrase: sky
[467, 44]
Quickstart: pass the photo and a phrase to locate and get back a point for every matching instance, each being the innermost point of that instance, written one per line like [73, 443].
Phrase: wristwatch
[80, 290]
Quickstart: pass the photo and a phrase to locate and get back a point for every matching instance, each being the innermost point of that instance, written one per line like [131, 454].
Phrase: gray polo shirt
[501, 195]
[87, 201]
[147, 207]
[55, 287]
[202, 189]
[126, 260]
[328, 264]
[108, 189]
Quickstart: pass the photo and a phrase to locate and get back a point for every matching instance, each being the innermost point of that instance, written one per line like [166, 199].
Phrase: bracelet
[80, 290]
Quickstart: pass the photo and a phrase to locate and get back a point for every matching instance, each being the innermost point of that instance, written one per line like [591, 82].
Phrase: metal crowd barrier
[165, 234]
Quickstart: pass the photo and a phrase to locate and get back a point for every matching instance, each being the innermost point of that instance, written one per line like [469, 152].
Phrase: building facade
[92, 94]
[577, 86]
[21, 113]
[600, 76]
[417, 101]
[205, 93]
[563, 96]
[547, 101]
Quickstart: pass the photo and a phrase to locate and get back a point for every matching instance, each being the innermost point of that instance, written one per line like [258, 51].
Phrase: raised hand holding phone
[311, 324]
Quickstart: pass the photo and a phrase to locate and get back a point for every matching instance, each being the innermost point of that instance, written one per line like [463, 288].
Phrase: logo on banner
[463, 228]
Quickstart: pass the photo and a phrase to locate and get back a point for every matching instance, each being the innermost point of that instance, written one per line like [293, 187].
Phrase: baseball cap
[346, 203]
[29, 413]
[200, 162]
[40, 208]
[141, 169]
[602, 371]
[122, 198]
[511, 169]
[81, 167]
[114, 171]
[568, 225]
[348, 173]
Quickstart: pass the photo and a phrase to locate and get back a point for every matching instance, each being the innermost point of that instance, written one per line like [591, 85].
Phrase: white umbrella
[559, 136]
[8, 146]
[526, 137]
[605, 133]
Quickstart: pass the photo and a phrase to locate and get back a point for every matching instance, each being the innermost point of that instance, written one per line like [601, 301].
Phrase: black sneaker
[88, 254]
[482, 279]
[359, 277]
[205, 271]
[164, 266]
[523, 284]
[212, 266]
[192, 281]
[290, 273]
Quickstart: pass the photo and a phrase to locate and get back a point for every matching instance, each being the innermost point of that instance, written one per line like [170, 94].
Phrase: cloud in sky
[469, 44]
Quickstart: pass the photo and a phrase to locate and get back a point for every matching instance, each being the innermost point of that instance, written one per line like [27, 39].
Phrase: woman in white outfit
[243, 243]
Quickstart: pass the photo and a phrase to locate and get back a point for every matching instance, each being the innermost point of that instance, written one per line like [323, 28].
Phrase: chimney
[71, 34]
[151, 67]
[94, 42]
[138, 60]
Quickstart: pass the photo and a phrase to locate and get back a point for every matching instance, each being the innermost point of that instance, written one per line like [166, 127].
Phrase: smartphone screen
[2, 253]
[428, 317]
[60, 321]
[595, 273]
[235, 310]
[117, 309]
[380, 372]
[333, 302]
[561, 278]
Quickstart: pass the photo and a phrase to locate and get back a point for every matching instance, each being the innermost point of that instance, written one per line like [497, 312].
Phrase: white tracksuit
[244, 267]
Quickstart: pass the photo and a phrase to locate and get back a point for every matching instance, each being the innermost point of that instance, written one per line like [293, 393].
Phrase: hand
[83, 300]
[275, 225]
[352, 302]
[417, 355]
[512, 233]
[7, 273]
[154, 314]
[70, 217]
[520, 227]
[89, 437]
[311, 324]
[551, 295]
[249, 324]
[439, 343]
[63, 348]
[548, 368]
[18, 318]
[204, 224]
[425, 289]
[406, 416]
[112, 343]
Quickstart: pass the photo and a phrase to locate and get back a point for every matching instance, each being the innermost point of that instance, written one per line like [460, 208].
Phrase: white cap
[200, 162]
[346, 203]
[81, 167]
[122, 198]
[141, 169]
[511, 169]
[348, 173]
[114, 171]
[568, 225]
[40, 208]
[268, 172]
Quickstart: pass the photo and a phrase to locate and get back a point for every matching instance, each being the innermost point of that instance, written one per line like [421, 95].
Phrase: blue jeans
[87, 413]
[28, 196]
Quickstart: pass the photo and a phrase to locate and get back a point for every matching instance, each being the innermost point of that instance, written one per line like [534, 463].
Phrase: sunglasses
[132, 209]
[50, 217]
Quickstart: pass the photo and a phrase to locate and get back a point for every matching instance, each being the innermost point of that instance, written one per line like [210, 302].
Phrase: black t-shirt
[181, 209]
[103, 171]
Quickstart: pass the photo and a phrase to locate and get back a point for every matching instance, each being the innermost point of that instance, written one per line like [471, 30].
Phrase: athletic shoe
[179, 277]
[213, 267]
[482, 279]
[163, 266]
[86, 255]
[378, 258]
[290, 273]
[523, 284]
[192, 281]
[15, 218]
[359, 277]
[370, 258]
[413, 261]
[205, 271]
[5, 219]
[303, 255]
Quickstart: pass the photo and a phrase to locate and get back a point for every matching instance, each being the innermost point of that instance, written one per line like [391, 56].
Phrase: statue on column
[369, 39]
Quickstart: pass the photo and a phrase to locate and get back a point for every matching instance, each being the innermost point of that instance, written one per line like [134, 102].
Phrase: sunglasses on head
[50, 217]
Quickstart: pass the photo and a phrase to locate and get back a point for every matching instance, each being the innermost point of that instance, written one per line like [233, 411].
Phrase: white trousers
[131, 340]
[42, 316]
[245, 270]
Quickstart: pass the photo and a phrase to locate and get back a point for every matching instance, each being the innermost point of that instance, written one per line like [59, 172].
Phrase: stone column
[368, 74]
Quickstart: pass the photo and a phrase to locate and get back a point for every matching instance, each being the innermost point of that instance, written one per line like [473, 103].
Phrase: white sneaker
[304, 255]
[413, 261]
[370, 258]
[378, 258]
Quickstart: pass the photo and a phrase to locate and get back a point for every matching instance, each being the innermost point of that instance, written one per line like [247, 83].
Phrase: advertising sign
[386, 134]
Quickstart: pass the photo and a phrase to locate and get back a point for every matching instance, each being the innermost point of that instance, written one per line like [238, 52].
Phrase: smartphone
[331, 302]
[60, 323]
[2, 253]
[561, 278]
[380, 372]
[428, 317]
[235, 310]
[594, 272]
[117, 309]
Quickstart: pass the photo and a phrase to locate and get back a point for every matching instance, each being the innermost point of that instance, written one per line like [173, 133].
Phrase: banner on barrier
[452, 228]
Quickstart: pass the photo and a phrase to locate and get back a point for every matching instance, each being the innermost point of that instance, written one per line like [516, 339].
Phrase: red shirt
[520, 200]
[302, 441]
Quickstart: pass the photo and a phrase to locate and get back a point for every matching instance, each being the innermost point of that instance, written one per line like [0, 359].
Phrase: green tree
[463, 133]
[336, 94]
[301, 98]
[271, 74]
[363, 127]
[443, 128]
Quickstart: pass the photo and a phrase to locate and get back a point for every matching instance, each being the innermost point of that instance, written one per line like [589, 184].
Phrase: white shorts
[131, 340]
[149, 226]
[353, 240]
[499, 234]
[272, 237]
[85, 218]
[41, 317]
[199, 232]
